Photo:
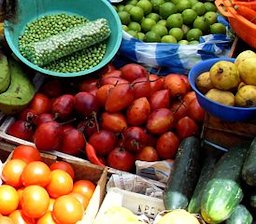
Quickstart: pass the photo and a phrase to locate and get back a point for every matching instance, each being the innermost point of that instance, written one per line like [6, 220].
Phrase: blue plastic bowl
[28, 10]
[225, 113]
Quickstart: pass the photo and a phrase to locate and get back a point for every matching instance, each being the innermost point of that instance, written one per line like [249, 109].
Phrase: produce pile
[232, 84]
[35, 191]
[123, 115]
[65, 43]
[175, 21]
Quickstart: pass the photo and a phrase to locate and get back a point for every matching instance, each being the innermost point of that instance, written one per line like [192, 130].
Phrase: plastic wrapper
[75, 39]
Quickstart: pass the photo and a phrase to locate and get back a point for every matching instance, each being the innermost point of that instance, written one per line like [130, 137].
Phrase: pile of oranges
[35, 192]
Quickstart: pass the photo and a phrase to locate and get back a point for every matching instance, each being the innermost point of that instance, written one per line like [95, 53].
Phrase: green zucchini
[210, 160]
[184, 175]
[240, 215]
[249, 167]
[223, 192]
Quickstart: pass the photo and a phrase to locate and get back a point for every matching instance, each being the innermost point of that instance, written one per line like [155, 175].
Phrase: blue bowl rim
[73, 74]
[192, 83]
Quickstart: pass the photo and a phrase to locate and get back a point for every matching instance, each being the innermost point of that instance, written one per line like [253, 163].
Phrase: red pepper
[92, 156]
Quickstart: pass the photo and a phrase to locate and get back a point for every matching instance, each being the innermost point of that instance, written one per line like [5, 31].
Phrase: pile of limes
[169, 21]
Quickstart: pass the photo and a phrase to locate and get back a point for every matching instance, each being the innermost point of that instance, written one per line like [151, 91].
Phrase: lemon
[199, 8]
[193, 42]
[177, 33]
[132, 2]
[146, 5]
[193, 2]
[120, 7]
[211, 17]
[189, 15]
[174, 20]
[151, 36]
[153, 16]
[134, 26]
[147, 24]
[156, 4]
[136, 13]
[209, 6]
[162, 22]
[127, 7]
[194, 34]
[166, 9]
[183, 42]
[217, 28]
[141, 36]
[132, 33]
[124, 17]
[201, 23]
[168, 39]
[125, 28]
[182, 5]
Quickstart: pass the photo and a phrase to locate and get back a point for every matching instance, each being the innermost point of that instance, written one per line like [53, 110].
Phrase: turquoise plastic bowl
[225, 113]
[29, 10]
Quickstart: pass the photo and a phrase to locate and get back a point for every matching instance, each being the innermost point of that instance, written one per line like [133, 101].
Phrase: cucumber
[249, 167]
[223, 192]
[211, 158]
[240, 215]
[184, 175]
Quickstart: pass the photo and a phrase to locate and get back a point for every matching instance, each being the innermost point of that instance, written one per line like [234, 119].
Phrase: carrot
[246, 12]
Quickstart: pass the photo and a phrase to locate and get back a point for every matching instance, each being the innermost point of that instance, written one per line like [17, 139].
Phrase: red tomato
[195, 111]
[19, 218]
[26, 153]
[82, 199]
[84, 187]
[34, 201]
[40, 103]
[67, 210]
[62, 165]
[12, 170]
[186, 127]
[61, 183]
[36, 173]
[9, 198]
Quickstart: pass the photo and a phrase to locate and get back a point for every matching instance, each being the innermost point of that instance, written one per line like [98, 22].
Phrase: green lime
[153, 16]
[132, 2]
[151, 36]
[210, 7]
[141, 36]
[193, 2]
[146, 5]
[182, 5]
[185, 29]
[174, 20]
[168, 39]
[218, 28]
[127, 8]
[211, 17]
[199, 8]
[124, 17]
[193, 42]
[202, 24]
[125, 28]
[177, 33]
[156, 4]
[136, 13]
[183, 42]
[167, 9]
[194, 34]
[120, 7]
[188, 15]
[147, 24]
[134, 26]
[133, 33]
[162, 22]
[160, 29]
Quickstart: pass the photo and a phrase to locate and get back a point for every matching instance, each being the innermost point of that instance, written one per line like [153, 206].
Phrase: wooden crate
[83, 170]
[227, 134]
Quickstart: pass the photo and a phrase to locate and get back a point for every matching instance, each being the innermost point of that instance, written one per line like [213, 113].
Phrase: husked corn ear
[75, 39]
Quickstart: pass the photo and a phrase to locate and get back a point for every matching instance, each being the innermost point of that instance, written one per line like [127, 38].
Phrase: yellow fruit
[247, 71]
[244, 55]
[178, 216]
[246, 96]
[221, 96]
[224, 75]
[203, 82]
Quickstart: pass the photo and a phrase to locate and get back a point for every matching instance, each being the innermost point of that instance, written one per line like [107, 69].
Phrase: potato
[203, 82]
[221, 96]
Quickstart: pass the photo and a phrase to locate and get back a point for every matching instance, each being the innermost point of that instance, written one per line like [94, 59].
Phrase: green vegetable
[240, 215]
[223, 192]
[249, 167]
[65, 43]
[184, 175]
[210, 160]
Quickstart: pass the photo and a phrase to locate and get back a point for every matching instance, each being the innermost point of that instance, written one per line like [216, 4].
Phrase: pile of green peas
[49, 25]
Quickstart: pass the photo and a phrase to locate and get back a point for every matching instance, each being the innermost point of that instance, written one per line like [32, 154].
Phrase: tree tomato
[26, 153]
[61, 183]
[34, 201]
[40, 103]
[186, 127]
[189, 97]
[21, 129]
[36, 173]
[195, 111]
[84, 187]
[148, 153]
[62, 165]
[9, 199]
[12, 170]
[67, 210]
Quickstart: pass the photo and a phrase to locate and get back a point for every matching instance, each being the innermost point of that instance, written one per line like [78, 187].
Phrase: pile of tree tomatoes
[115, 118]
[35, 192]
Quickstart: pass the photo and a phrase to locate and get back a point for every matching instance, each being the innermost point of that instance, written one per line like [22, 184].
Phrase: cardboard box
[83, 170]
[138, 203]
